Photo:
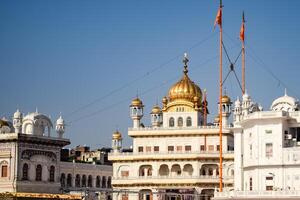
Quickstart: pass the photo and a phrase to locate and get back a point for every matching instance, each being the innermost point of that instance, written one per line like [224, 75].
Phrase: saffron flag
[242, 31]
[219, 18]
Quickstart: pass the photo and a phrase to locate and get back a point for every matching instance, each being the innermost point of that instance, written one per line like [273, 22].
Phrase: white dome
[285, 103]
[60, 120]
[17, 114]
[237, 103]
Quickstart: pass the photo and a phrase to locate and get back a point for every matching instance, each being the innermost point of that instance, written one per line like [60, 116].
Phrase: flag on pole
[218, 18]
[242, 31]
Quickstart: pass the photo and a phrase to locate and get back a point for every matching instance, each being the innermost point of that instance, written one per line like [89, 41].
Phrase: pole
[220, 110]
[205, 109]
[243, 61]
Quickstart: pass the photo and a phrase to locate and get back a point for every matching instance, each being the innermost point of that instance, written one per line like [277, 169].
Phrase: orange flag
[242, 31]
[219, 18]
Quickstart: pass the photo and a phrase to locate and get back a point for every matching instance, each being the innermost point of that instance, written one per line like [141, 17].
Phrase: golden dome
[117, 136]
[156, 110]
[137, 102]
[185, 89]
[226, 99]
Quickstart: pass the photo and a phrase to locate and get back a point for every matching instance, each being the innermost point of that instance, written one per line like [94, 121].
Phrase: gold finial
[185, 61]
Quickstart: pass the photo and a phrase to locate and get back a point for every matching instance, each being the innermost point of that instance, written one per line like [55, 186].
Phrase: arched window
[52, 173]
[63, 180]
[210, 171]
[171, 122]
[180, 122]
[103, 182]
[69, 180]
[109, 182]
[188, 121]
[98, 181]
[25, 172]
[83, 181]
[90, 181]
[77, 181]
[38, 173]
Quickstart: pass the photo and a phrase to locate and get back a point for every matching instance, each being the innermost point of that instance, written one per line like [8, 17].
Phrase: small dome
[165, 100]
[117, 135]
[226, 99]
[156, 110]
[246, 96]
[17, 114]
[237, 103]
[217, 119]
[60, 120]
[136, 102]
[285, 103]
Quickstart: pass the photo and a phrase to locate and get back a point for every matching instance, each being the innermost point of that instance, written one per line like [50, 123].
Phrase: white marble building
[267, 151]
[178, 153]
[30, 159]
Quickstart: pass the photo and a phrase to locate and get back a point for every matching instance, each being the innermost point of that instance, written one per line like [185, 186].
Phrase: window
[250, 184]
[38, 173]
[171, 122]
[4, 171]
[180, 122]
[63, 180]
[210, 147]
[268, 131]
[124, 173]
[202, 148]
[98, 181]
[269, 178]
[90, 181]
[269, 150]
[170, 148]
[77, 181]
[188, 121]
[250, 150]
[218, 147]
[25, 172]
[179, 148]
[140, 149]
[269, 187]
[156, 148]
[188, 148]
[52, 172]
[69, 180]
[148, 149]
[83, 181]
[125, 196]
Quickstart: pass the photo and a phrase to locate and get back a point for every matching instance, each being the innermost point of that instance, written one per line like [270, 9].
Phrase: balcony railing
[174, 177]
[253, 194]
[169, 153]
[150, 128]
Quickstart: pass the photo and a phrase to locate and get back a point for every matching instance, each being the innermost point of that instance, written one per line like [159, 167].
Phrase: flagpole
[243, 59]
[220, 107]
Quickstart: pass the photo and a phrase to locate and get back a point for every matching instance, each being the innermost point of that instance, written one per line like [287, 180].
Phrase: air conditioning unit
[288, 137]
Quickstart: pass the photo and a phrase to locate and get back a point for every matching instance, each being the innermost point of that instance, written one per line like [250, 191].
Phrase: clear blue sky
[61, 55]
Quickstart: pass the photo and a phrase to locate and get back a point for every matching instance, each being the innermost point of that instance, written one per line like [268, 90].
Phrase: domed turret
[136, 111]
[226, 109]
[116, 141]
[60, 126]
[17, 121]
[285, 103]
[237, 112]
[156, 116]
